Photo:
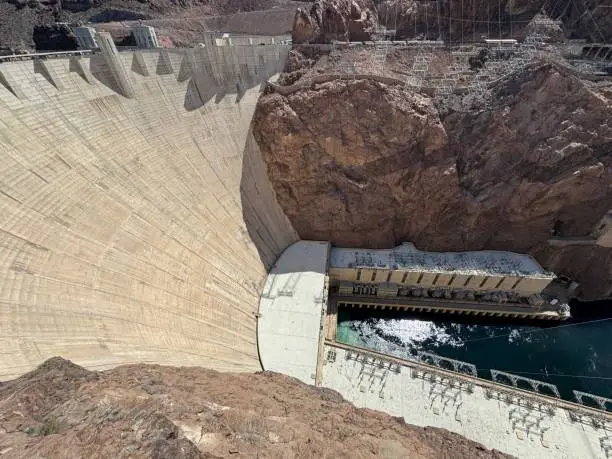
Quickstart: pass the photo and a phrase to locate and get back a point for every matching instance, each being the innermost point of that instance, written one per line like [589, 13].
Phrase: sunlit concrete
[291, 310]
[405, 265]
[137, 222]
[509, 427]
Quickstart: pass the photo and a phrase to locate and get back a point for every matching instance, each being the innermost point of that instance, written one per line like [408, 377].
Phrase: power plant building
[406, 266]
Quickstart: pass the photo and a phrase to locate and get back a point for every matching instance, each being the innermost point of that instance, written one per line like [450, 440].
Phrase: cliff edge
[160, 412]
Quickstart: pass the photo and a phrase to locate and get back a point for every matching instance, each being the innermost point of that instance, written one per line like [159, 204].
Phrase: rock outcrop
[356, 20]
[583, 19]
[55, 37]
[369, 164]
[452, 20]
[137, 411]
[457, 20]
[339, 156]
[543, 25]
[328, 20]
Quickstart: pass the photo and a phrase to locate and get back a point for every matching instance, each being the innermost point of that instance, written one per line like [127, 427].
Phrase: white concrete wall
[291, 308]
[477, 282]
[134, 230]
[509, 427]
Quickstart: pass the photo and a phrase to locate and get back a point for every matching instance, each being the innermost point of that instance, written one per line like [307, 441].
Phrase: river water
[571, 356]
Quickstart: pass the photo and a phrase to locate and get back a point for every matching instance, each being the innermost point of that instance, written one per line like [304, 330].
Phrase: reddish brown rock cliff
[457, 20]
[450, 20]
[327, 20]
[368, 164]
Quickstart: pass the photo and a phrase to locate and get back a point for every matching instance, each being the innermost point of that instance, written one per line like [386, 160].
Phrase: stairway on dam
[135, 226]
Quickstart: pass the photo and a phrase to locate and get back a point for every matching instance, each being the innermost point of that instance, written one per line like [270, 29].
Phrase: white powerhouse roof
[408, 257]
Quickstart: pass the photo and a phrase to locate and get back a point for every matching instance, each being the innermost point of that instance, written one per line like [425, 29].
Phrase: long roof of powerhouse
[407, 257]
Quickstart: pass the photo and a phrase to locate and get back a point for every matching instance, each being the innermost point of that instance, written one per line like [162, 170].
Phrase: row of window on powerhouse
[435, 280]
[429, 279]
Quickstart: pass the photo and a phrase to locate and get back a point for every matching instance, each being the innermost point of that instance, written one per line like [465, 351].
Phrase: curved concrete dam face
[137, 222]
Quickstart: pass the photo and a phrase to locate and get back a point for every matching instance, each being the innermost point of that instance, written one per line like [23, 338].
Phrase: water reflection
[577, 357]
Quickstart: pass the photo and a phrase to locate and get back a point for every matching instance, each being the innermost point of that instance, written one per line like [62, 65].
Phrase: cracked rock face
[344, 157]
[356, 20]
[456, 20]
[367, 164]
[327, 20]
[451, 20]
[591, 19]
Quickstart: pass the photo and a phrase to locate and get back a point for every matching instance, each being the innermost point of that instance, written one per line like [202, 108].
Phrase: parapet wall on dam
[137, 220]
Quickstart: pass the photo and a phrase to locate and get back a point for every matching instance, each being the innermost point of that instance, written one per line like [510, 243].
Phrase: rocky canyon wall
[452, 20]
[583, 19]
[457, 20]
[368, 164]
[327, 20]
[356, 20]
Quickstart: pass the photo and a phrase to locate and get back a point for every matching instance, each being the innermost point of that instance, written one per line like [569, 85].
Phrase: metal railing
[456, 365]
[533, 383]
[46, 55]
[602, 402]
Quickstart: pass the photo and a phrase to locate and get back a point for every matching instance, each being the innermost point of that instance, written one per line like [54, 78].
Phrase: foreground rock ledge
[160, 412]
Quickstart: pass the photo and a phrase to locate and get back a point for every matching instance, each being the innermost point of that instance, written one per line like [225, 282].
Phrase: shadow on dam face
[135, 229]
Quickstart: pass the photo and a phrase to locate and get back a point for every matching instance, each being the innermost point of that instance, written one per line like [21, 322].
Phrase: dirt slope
[61, 409]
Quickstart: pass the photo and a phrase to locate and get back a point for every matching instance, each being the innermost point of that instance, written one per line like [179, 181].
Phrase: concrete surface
[291, 309]
[400, 390]
[483, 270]
[141, 229]
[407, 257]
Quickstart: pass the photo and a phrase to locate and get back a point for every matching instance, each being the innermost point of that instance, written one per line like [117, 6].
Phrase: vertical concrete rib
[122, 79]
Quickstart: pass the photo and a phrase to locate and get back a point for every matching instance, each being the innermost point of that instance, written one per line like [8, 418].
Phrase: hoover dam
[138, 223]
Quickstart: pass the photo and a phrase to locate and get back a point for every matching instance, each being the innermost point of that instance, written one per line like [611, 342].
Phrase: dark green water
[578, 356]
